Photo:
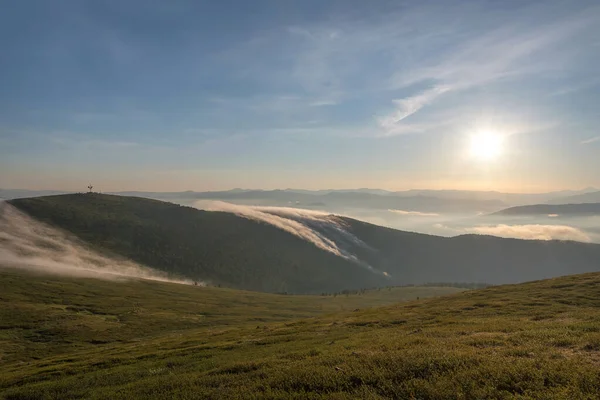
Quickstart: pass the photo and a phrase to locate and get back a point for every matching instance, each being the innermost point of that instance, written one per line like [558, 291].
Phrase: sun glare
[486, 146]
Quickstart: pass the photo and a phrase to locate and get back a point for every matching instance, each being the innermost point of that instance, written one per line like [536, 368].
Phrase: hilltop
[83, 338]
[240, 252]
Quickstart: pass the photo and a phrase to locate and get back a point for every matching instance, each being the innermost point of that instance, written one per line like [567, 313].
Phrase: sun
[486, 146]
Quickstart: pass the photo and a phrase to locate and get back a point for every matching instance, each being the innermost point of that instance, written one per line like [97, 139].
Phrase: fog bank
[28, 244]
[326, 231]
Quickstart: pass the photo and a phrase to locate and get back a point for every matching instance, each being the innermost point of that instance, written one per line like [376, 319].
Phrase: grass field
[65, 338]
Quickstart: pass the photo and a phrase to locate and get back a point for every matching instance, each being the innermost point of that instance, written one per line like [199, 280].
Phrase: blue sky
[206, 95]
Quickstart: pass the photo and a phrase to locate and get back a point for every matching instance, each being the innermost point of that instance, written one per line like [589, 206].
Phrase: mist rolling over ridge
[436, 212]
[326, 231]
[29, 244]
[219, 248]
[444, 221]
[306, 251]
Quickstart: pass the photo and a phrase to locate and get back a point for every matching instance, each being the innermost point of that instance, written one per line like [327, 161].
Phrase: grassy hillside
[539, 340]
[220, 248]
[39, 309]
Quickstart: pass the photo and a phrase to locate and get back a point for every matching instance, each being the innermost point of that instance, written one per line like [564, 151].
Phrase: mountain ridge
[509, 199]
[217, 247]
[576, 209]
[592, 197]
[298, 252]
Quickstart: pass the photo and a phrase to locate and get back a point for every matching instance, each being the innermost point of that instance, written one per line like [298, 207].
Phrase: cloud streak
[324, 230]
[508, 52]
[526, 232]
[28, 244]
[410, 105]
[414, 213]
[536, 232]
[591, 140]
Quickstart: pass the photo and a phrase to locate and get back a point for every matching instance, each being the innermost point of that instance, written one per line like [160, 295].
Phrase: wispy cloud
[29, 244]
[409, 59]
[537, 232]
[591, 140]
[508, 52]
[530, 232]
[410, 105]
[366, 70]
[320, 103]
[322, 229]
[414, 213]
[572, 88]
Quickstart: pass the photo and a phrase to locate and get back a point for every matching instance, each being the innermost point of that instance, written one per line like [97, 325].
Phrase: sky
[206, 95]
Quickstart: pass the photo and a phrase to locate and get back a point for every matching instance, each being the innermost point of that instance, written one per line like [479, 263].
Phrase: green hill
[64, 338]
[39, 309]
[237, 252]
[220, 248]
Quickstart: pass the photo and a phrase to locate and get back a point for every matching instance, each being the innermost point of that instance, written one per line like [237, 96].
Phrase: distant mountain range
[442, 201]
[584, 209]
[436, 201]
[507, 198]
[591, 197]
[297, 251]
[344, 200]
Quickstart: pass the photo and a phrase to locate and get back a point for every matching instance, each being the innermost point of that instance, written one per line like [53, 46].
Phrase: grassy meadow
[67, 338]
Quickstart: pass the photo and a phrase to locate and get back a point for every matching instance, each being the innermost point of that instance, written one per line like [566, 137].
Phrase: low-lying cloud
[287, 224]
[537, 232]
[325, 231]
[530, 232]
[28, 244]
[414, 213]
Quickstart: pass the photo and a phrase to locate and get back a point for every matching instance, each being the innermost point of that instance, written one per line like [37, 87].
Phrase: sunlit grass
[538, 340]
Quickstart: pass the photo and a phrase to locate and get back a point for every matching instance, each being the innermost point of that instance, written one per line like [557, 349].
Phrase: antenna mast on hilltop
[90, 187]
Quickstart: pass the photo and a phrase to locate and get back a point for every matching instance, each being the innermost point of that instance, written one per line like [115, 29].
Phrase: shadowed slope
[220, 248]
[29, 244]
[418, 258]
[289, 250]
